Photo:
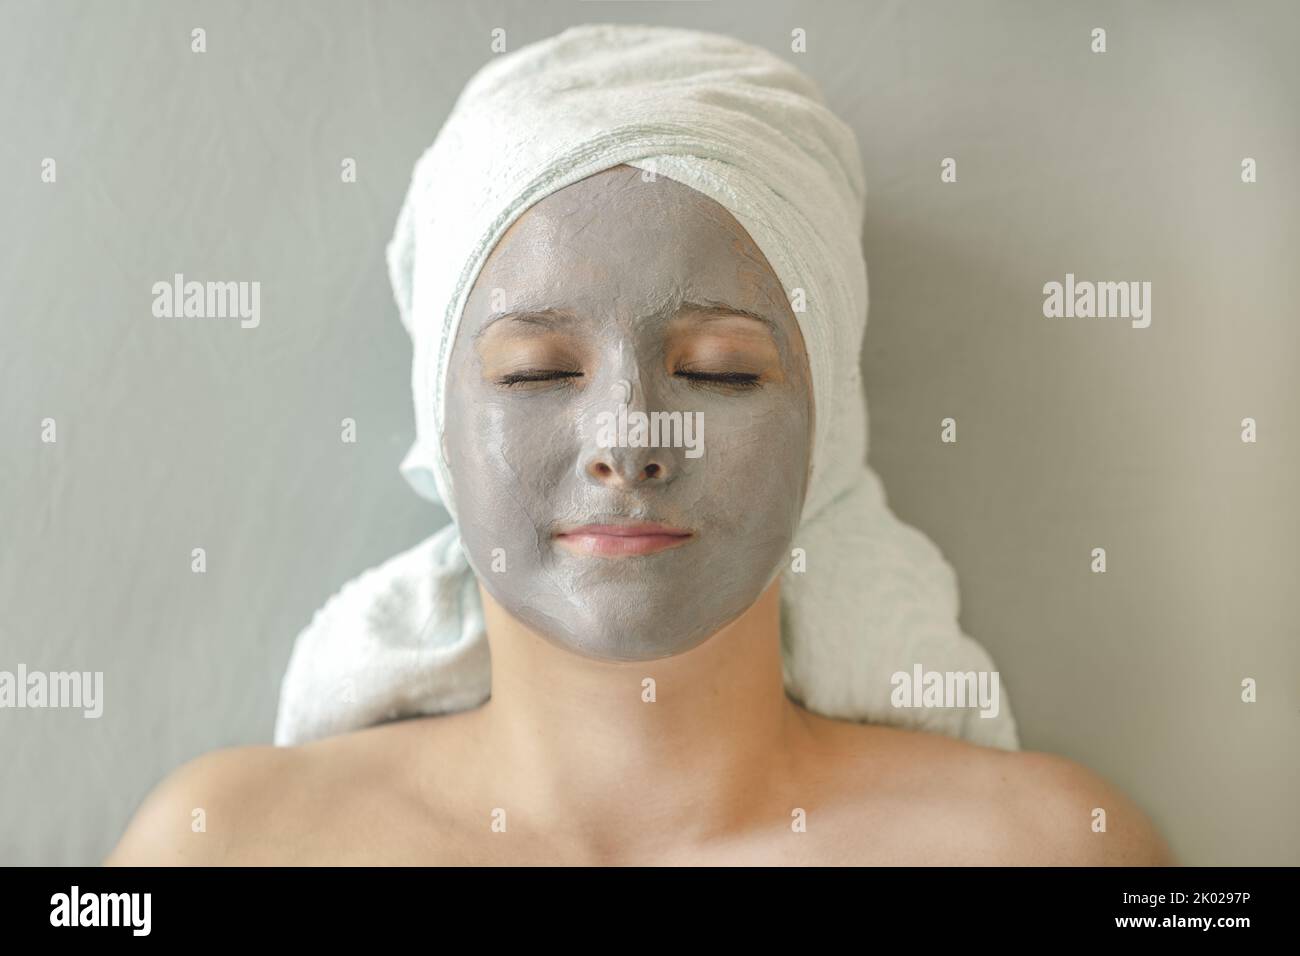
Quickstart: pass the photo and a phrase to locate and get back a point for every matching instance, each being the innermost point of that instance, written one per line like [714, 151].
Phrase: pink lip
[618, 540]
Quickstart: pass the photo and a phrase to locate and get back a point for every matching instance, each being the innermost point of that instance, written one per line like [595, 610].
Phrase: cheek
[509, 456]
[533, 441]
[756, 461]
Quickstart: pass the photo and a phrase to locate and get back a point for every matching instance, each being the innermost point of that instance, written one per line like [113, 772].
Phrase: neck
[567, 738]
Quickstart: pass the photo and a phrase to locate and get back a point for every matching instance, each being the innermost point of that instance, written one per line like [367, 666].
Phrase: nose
[619, 454]
[625, 470]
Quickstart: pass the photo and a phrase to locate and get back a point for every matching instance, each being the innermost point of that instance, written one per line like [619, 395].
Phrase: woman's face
[627, 358]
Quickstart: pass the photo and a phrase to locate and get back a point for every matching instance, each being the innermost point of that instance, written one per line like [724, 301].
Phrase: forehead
[620, 247]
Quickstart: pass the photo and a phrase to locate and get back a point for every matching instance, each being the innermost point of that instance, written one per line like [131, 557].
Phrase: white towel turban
[747, 129]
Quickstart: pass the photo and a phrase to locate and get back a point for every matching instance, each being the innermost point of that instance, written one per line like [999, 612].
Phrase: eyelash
[738, 380]
[534, 375]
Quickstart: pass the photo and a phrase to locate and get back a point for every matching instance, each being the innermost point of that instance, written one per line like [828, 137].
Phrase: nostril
[603, 470]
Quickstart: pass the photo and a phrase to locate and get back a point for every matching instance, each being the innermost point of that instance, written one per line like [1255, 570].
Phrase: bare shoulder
[1048, 810]
[187, 818]
[1073, 816]
[949, 801]
[255, 805]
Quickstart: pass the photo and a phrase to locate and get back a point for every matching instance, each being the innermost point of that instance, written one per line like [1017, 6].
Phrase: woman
[643, 415]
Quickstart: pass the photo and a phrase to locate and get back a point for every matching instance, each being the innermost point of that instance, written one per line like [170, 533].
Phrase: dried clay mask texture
[618, 291]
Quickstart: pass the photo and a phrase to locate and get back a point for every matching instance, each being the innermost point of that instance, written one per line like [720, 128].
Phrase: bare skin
[587, 773]
[721, 767]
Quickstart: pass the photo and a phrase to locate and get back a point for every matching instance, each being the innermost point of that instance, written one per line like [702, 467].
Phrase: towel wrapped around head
[740, 125]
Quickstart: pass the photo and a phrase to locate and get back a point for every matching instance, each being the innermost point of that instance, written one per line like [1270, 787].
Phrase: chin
[646, 625]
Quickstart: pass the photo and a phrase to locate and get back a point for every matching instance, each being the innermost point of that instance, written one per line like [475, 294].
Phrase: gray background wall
[1073, 433]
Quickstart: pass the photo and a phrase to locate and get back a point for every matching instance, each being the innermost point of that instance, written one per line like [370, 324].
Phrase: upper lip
[625, 529]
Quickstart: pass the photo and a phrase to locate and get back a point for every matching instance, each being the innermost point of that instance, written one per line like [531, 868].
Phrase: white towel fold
[747, 129]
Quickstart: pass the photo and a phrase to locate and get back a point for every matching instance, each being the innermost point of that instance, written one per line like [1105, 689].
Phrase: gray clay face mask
[608, 301]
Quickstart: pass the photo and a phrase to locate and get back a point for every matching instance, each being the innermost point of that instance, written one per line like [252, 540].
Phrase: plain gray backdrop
[1072, 433]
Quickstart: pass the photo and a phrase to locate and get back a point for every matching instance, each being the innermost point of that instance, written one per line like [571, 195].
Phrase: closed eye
[737, 380]
[527, 375]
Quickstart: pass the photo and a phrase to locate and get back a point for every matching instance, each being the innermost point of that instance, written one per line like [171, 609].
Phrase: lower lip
[617, 545]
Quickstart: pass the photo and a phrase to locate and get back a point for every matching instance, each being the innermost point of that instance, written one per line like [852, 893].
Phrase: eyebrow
[547, 318]
[706, 311]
